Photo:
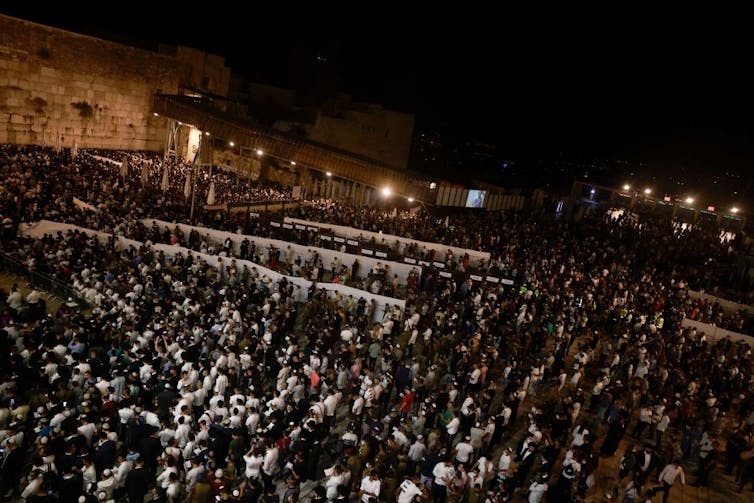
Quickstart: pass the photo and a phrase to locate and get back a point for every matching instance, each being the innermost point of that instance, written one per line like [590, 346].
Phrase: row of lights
[688, 200]
[386, 191]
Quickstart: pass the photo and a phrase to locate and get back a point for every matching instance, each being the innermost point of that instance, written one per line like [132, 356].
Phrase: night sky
[681, 101]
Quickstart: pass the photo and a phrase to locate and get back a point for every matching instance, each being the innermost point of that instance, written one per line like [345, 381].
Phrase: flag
[165, 179]
[144, 175]
[187, 186]
[211, 194]
[124, 167]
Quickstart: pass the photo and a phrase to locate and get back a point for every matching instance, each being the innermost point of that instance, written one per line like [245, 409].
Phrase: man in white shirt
[505, 462]
[662, 425]
[417, 451]
[370, 488]
[451, 429]
[443, 474]
[464, 449]
[269, 466]
[668, 476]
[645, 419]
[409, 490]
[538, 489]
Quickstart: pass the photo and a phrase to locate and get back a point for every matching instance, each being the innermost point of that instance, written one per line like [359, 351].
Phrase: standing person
[538, 488]
[137, 481]
[668, 476]
[11, 464]
[443, 474]
[662, 425]
[645, 461]
[369, 490]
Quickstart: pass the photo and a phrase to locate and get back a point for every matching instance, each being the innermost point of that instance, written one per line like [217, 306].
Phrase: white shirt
[417, 451]
[463, 452]
[453, 425]
[409, 491]
[536, 491]
[505, 462]
[270, 460]
[669, 474]
[442, 472]
[663, 423]
[370, 487]
[253, 465]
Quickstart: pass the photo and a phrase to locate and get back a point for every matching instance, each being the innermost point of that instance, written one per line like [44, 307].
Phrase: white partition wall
[327, 255]
[351, 232]
[383, 303]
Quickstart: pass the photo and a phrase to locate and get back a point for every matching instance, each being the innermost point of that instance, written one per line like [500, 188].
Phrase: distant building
[365, 129]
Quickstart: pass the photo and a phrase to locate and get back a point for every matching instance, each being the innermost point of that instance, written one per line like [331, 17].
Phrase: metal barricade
[54, 288]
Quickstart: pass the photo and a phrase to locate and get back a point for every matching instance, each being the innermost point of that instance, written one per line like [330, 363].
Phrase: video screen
[475, 198]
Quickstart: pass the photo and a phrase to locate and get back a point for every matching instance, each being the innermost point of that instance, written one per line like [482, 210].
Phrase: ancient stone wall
[89, 91]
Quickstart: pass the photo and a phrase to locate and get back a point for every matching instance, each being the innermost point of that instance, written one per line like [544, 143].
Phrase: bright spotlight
[293, 163]
[156, 114]
[592, 191]
[410, 199]
[231, 144]
[260, 152]
[734, 210]
[647, 191]
[689, 200]
[386, 191]
[328, 173]
[206, 133]
[626, 187]
[432, 186]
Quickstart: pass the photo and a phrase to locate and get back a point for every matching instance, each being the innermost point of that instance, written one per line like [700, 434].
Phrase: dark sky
[679, 99]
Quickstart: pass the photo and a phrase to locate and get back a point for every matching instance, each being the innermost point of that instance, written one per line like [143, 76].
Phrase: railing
[40, 281]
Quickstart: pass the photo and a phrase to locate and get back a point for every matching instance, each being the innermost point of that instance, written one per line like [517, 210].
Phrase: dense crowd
[192, 382]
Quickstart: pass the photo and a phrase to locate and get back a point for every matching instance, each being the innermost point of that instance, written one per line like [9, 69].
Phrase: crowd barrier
[727, 305]
[383, 303]
[716, 333]
[39, 281]
[350, 232]
[263, 245]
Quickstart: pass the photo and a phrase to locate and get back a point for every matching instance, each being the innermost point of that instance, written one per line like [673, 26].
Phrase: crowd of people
[229, 187]
[187, 381]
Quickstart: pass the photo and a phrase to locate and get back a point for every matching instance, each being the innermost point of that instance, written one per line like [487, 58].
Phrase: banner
[124, 167]
[165, 185]
[211, 194]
